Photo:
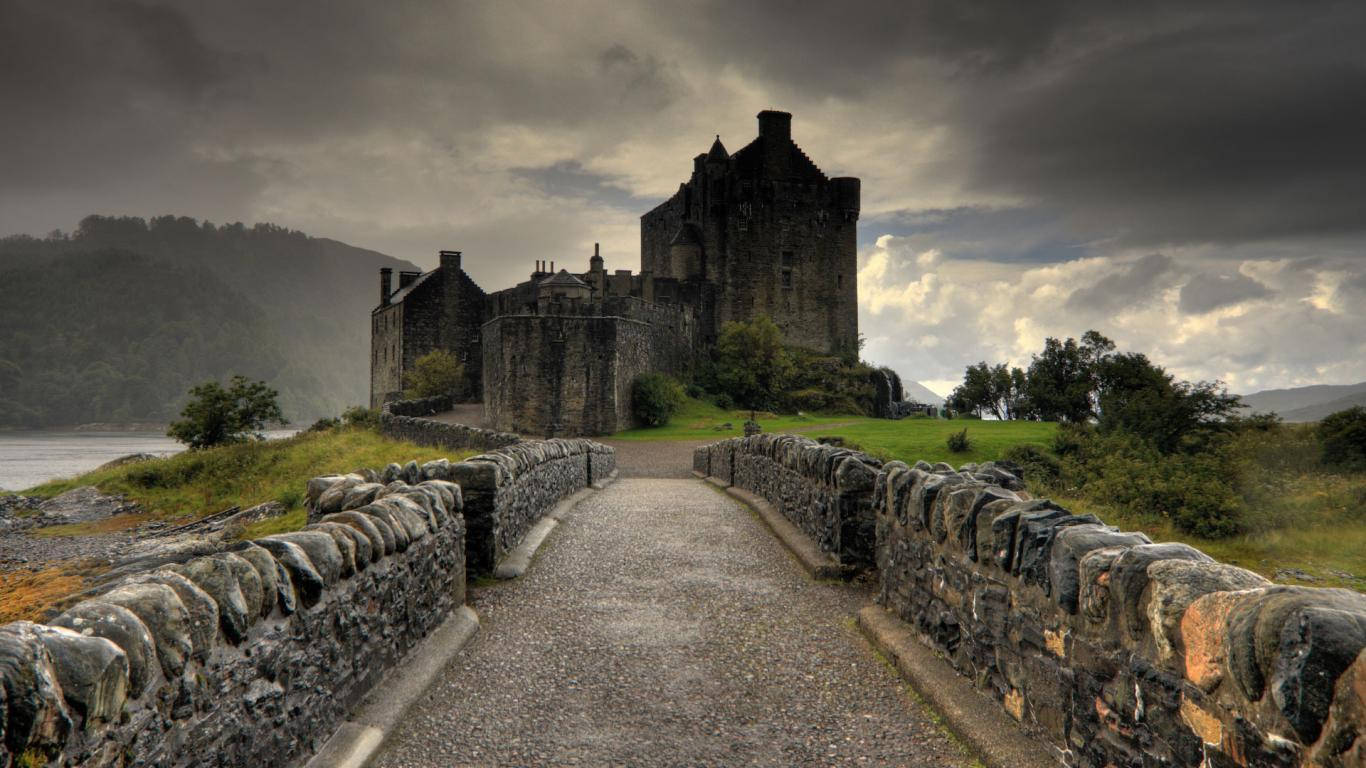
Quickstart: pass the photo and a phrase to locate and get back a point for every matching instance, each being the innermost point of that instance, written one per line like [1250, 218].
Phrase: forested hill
[117, 320]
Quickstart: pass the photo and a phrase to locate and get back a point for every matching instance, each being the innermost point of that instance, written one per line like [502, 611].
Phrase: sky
[1187, 178]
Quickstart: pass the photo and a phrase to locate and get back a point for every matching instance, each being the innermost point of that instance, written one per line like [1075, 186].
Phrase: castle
[760, 231]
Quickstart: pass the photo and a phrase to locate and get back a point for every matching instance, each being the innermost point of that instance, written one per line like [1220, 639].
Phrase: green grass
[911, 440]
[698, 420]
[1317, 534]
[194, 484]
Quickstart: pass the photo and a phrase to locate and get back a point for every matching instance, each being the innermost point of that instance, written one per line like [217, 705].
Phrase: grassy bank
[191, 485]
[700, 420]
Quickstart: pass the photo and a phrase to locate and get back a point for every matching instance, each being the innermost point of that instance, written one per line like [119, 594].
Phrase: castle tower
[766, 232]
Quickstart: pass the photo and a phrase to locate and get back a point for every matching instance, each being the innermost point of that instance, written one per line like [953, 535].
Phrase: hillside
[190, 301]
[1307, 403]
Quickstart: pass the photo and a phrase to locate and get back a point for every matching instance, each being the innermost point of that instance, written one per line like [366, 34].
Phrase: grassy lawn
[193, 484]
[911, 440]
[698, 420]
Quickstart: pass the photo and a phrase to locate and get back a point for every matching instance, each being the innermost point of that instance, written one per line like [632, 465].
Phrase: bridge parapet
[1113, 649]
[246, 656]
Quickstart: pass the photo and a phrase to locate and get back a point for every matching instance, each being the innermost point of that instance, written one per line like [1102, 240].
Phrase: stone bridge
[736, 614]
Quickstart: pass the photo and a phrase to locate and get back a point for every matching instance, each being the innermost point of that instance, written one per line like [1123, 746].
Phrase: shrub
[752, 365]
[694, 391]
[958, 441]
[1039, 467]
[217, 416]
[724, 401]
[360, 416]
[1342, 437]
[654, 398]
[435, 373]
[324, 424]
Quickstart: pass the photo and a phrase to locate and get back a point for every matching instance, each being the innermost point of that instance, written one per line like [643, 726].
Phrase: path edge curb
[995, 738]
[820, 565]
[515, 563]
[358, 739]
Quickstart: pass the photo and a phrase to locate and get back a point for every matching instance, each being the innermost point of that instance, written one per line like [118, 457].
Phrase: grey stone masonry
[248, 656]
[402, 420]
[1115, 650]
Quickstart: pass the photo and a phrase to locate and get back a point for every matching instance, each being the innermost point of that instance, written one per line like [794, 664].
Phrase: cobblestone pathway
[662, 624]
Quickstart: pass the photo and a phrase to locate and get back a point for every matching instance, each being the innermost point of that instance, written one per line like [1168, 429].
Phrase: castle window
[787, 259]
[839, 281]
[787, 278]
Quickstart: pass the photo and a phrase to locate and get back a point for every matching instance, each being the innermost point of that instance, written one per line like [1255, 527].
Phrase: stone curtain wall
[245, 657]
[401, 420]
[825, 491]
[1115, 650]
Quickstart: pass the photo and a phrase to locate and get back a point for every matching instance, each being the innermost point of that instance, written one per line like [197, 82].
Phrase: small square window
[787, 278]
[787, 258]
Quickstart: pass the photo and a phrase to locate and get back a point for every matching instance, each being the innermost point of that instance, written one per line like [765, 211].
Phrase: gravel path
[654, 458]
[662, 624]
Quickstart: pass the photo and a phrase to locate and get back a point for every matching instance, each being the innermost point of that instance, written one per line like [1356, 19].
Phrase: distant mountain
[1307, 403]
[157, 306]
[920, 393]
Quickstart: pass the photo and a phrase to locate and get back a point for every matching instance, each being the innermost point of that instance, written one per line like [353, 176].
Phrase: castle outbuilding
[762, 231]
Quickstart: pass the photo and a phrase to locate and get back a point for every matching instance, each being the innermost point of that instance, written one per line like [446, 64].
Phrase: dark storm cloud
[1123, 288]
[568, 178]
[1016, 235]
[1200, 123]
[1207, 292]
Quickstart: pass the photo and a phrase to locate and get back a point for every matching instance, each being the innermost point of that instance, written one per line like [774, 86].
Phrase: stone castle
[760, 231]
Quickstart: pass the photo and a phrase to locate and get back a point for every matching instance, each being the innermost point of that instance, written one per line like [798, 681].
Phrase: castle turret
[775, 125]
[717, 155]
[685, 253]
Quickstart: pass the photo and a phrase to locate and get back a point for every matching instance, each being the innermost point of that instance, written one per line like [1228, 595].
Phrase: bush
[958, 442]
[752, 365]
[1039, 467]
[360, 416]
[654, 398]
[724, 401]
[695, 392]
[435, 373]
[217, 416]
[1342, 437]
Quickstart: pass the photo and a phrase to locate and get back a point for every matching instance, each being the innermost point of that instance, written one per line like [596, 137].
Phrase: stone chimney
[775, 125]
[386, 281]
[450, 261]
[406, 278]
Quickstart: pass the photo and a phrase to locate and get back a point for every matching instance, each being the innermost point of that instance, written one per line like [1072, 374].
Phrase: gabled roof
[403, 292]
[565, 279]
[749, 160]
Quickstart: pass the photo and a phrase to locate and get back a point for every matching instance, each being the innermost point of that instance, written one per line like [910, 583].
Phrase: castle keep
[760, 231]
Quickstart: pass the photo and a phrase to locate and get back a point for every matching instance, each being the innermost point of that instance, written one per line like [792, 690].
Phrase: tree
[217, 416]
[1343, 437]
[1061, 381]
[1136, 396]
[435, 373]
[654, 398]
[997, 390]
[752, 366]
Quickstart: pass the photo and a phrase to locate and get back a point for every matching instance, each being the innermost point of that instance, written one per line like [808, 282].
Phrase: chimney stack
[386, 279]
[450, 261]
[552, 267]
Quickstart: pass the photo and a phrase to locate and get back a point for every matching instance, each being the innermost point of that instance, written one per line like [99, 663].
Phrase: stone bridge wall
[254, 654]
[250, 656]
[825, 491]
[1114, 650]
[403, 420]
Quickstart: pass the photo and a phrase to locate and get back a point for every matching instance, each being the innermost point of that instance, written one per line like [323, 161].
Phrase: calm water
[30, 458]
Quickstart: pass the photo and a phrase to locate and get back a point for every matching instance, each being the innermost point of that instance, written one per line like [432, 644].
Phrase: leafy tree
[217, 416]
[1136, 396]
[654, 398]
[1342, 436]
[997, 390]
[752, 366]
[435, 373]
[1061, 381]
